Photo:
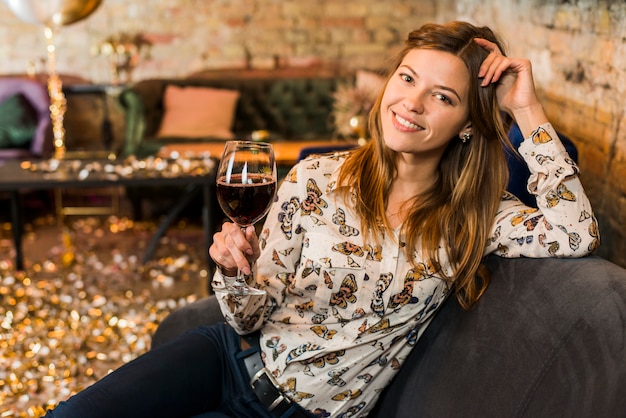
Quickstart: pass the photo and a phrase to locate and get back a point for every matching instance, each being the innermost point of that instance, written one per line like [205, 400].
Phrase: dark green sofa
[287, 107]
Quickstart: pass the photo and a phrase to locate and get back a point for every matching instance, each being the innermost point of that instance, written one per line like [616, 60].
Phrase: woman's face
[425, 103]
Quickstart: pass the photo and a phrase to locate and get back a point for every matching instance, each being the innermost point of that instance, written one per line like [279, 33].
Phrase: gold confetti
[64, 325]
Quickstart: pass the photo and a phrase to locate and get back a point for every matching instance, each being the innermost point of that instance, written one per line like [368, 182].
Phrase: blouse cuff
[546, 156]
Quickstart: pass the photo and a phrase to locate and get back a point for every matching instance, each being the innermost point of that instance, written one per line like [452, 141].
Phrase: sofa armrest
[37, 96]
[546, 339]
[205, 311]
[134, 121]
[143, 110]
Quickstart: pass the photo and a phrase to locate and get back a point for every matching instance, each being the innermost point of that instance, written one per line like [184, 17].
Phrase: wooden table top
[285, 152]
[19, 175]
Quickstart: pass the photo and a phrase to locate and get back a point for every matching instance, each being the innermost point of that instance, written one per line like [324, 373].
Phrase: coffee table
[16, 176]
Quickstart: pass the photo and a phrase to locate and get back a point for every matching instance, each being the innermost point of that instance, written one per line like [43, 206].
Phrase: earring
[466, 137]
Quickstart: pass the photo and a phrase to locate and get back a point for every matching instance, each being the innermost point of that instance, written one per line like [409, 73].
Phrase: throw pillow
[369, 83]
[355, 100]
[198, 112]
[18, 122]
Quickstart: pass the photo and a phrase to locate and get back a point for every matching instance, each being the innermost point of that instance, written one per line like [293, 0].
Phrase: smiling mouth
[406, 123]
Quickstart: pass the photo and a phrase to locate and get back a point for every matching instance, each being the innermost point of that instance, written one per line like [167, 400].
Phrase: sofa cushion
[198, 112]
[18, 122]
[370, 83]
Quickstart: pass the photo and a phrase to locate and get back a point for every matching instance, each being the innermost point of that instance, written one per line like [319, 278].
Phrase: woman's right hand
[232, 250]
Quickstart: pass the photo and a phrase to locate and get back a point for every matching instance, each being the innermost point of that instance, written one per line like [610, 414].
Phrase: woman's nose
[414, 103]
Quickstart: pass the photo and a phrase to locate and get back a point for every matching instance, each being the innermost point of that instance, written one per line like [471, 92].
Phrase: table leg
[16, 226]
[190, 192]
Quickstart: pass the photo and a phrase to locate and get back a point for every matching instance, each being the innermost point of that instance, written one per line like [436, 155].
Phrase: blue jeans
[198, 375]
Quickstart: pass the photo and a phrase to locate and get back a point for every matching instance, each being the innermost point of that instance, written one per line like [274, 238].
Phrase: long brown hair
[458, 211]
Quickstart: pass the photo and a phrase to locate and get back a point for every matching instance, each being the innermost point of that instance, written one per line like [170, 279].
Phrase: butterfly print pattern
[554, 197]
[348, 249]
[348, 394]
[343, 310]
[353, 411]
[374, 252]
[276, 259]
[406, 295]
[541, 136]
[302, 349]
[285, 216]
[289, 389]
[327, 359]
[378, 303]
[339, 218]
[313, 202]
[335, 376]
[322, 331]
[346, 293]
[274, 344]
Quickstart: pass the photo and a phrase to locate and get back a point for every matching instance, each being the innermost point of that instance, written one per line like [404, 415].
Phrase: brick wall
[577, 48]
[190, 35]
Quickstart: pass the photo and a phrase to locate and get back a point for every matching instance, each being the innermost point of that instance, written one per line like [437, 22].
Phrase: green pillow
[18, 122]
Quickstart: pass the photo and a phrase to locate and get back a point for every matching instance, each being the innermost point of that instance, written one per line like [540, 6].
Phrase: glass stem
[241, 284]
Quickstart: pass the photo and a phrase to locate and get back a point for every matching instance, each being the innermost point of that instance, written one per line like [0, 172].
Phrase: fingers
[232, 250]
[515, 84]
[488, 45]
[494, 69]
[494, 65]
[251, 242]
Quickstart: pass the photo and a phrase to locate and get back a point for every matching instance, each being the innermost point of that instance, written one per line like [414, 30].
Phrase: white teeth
[405, 122]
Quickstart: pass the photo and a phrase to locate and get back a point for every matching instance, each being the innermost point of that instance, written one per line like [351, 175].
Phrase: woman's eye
[406, 77]
[443, 98]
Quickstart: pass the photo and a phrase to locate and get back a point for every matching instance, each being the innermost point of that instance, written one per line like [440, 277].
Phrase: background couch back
[289, 108]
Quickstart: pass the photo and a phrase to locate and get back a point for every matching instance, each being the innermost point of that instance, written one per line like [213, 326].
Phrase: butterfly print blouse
[342, 313]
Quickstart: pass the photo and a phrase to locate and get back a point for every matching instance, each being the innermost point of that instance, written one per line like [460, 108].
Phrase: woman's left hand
[515, 87]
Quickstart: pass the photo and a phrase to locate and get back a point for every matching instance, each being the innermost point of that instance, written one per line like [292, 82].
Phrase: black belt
[265, 387]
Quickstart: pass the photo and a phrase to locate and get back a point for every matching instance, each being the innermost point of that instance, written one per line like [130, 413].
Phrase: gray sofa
[548, 339]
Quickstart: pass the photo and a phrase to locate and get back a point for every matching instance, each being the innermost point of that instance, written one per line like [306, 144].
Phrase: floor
[84, 303]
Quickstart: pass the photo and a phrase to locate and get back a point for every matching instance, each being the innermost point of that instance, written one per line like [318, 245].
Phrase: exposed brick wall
[577, 48]
[190, 35]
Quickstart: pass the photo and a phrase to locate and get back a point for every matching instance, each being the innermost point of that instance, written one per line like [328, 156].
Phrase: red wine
[246, 203]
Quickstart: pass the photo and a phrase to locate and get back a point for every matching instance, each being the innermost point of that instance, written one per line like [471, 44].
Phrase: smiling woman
[432, 105]
[360, 249]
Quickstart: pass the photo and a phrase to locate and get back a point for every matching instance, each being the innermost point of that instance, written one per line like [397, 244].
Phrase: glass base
[237, 288]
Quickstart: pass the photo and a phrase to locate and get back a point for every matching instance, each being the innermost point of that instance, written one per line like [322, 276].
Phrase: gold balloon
[52, 13]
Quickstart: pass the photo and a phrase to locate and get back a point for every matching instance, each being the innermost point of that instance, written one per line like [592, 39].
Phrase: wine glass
[246, 184]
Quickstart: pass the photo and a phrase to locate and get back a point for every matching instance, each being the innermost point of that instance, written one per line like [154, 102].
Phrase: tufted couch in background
[288, 107]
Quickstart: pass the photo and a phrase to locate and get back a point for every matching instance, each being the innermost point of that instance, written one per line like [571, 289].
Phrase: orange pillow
[198, 112]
